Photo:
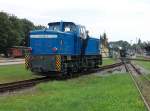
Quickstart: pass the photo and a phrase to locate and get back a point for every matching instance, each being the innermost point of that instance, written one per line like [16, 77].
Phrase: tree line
[139, 47]
[14, 31]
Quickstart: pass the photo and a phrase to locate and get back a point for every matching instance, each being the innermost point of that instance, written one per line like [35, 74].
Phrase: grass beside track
[14, 73]
[108, 61]
[87, 93]
[144, 64]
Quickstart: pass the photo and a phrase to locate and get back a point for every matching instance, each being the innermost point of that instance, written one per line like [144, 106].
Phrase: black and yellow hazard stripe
[58, 63]
[27, 61]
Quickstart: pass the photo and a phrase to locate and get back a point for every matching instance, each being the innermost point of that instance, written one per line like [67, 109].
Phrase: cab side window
[83, 33]
[67, 29]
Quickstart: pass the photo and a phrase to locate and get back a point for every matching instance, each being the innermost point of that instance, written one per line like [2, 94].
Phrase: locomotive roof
[52, 23]
[60, 22]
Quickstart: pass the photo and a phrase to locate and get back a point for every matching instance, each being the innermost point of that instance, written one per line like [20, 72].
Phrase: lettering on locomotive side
[43, 36]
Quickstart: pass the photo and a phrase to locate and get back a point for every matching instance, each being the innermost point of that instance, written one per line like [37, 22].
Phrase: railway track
[110, 66]
[15, 86]
[134, 71]
[134, 59]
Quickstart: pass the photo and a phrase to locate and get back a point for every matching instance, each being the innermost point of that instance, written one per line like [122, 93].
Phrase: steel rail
[13, 86]
[136, 84]
[146, 60]
[110, 66]
[139, 72]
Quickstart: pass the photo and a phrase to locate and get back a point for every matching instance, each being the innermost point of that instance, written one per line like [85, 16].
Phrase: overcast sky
[120, 19]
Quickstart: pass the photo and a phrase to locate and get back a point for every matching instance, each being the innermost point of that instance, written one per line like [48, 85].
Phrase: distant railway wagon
[62, 48]
[17, 51]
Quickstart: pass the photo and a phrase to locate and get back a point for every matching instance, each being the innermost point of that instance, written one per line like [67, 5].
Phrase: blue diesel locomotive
[62, 48]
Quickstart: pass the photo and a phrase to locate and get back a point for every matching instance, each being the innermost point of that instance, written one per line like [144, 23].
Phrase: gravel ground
[11, 63]
[116, 70]
[11, 60]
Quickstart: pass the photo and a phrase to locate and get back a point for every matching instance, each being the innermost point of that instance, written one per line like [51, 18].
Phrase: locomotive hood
[39, 33]
[49, 41]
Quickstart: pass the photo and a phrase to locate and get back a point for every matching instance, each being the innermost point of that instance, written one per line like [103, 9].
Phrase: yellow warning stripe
[27, 61]
[58, 62]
